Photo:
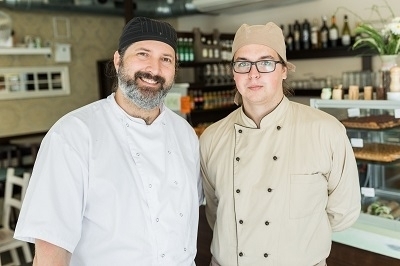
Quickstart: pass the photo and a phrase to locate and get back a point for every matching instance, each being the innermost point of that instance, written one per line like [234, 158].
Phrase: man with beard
[117, 182]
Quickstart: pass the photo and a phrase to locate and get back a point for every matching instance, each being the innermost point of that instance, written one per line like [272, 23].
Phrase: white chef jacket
[274, 194]
[114, 191]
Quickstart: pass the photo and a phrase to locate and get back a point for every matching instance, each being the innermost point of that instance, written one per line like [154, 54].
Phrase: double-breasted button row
[241, 222]
[268, 189]
[265, 254]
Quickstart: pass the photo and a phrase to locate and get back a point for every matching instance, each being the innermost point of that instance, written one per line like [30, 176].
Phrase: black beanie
[143, 29]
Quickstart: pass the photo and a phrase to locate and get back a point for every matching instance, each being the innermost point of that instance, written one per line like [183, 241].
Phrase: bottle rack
[214, 47]
[206, 46]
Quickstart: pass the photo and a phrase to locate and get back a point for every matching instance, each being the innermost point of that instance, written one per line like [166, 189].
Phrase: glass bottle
[324, 34]
[185, 49]
[290, 39]
[306, 35]
[346, 34]
[314, 34]
[191, 49]
[204, 51]
[181, 52]
[333, 32]
[296, 34]
[357, 35]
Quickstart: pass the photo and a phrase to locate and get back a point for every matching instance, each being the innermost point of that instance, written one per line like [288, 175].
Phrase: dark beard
[144, 97]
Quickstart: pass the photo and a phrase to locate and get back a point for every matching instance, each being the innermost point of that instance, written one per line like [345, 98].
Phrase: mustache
[146, 75]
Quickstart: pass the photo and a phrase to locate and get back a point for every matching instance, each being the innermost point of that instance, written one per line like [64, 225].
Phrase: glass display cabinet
[373, 127]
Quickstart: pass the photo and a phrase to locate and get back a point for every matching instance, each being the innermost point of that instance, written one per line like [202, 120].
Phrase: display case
[373, 127]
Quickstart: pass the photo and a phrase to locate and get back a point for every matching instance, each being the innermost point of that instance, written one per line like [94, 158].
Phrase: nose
[153, 66]
[254, 72]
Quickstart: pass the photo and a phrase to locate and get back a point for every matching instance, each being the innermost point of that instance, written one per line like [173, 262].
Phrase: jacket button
[240, 131]
[278, 127]
[241, 254]
[237, 159]
[237, 190]
[266, 223]
[275, 158]
[265, 255]
[269, 189]
[241, 221]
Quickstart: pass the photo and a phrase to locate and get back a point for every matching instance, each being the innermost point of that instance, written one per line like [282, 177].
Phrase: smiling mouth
[149, 81]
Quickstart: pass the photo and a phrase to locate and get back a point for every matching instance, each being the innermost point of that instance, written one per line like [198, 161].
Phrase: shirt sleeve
[344, 197]
[53, 207]
[200, 190]
[208, 187]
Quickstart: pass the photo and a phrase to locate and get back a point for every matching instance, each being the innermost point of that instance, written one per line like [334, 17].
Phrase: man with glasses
[278, 176]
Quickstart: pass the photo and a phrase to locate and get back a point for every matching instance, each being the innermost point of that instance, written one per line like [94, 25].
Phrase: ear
[116, 60]
[284, 72]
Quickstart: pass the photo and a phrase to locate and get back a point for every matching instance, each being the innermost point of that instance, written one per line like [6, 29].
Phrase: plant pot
[388, 61]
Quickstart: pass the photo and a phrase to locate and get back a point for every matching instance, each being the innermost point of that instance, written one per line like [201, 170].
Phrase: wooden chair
[13, 201]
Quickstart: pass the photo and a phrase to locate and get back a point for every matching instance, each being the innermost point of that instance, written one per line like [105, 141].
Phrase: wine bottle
[289, 39]
[306, 35]
[186, 49]
[357, 35]
[314, 34]
[324, 34]
[296, 35]
[333, 32]
[181, 52]
[346, 34]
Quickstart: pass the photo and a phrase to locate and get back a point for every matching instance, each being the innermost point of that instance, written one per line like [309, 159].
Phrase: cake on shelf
[372, 122]
[379, 152]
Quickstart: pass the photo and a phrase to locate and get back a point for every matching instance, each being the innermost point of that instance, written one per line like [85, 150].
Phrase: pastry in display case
[389, 209]
[373, 128]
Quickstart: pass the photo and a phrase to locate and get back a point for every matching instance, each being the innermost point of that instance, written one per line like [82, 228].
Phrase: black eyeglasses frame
[255, 63]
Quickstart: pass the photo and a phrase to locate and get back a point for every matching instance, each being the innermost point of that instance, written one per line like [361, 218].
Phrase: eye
[166, 60]
[266, 63]
[243, 63]
[142, 54]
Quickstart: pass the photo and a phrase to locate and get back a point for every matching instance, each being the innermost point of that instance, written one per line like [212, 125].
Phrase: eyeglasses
[263, 66]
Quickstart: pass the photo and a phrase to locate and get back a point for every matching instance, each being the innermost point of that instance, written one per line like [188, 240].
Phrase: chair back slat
[12, 196]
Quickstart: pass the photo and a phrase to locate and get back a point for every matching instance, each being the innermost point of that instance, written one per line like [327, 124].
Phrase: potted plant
[385, 41]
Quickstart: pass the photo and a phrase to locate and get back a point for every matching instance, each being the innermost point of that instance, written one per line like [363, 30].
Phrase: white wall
[287, 14]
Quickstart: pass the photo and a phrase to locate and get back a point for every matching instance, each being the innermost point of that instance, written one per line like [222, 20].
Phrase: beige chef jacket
[274, 194]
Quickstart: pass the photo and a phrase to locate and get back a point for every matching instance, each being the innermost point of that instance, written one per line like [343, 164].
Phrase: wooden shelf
[341, 51]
